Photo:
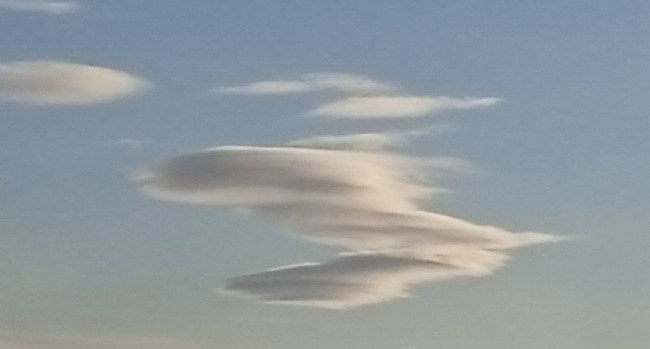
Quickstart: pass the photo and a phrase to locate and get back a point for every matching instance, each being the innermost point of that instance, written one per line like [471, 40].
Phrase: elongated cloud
[246, 175]
[365, 200]
[46, 7]
[64, 83]
[345, 282]
[364, 97]
[377, 141]
[397, 106]
[128, 142]
[362, 141]
[355, 199]
[348, 83]
[269, 87]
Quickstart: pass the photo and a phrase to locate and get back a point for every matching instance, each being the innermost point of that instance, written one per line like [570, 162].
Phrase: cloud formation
[269, 87]
[250, 175]
[46, 7]
[376, 141]
[397, 106]
[345, 282]
[64, 83]
[340, 82]
[365, 199]
[128, 142]
[363, 97]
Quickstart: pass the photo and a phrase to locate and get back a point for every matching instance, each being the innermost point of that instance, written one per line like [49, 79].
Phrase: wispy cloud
[65, 83]
[364, 200]
[46, 7]
[341, 82]
[364, 97]
[365, 141]
[128, 142]
[397, 106]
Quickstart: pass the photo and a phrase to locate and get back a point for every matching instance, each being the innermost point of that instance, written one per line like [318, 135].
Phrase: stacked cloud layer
[364, 97]
[349, 192]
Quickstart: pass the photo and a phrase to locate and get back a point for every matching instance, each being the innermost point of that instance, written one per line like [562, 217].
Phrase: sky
[338, 174]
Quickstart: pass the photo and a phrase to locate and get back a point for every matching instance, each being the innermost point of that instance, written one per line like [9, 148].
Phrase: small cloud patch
[45, 7]
[64, 83]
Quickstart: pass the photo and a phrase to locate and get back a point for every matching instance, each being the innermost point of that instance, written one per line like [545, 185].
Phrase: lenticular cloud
[344, 282]
[364, 199]
[65, 83]
[314, 82]
[369, 107]
[362, 97]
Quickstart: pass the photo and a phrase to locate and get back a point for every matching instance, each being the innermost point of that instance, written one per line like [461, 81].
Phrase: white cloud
[64, 83]
[365, 98]
[358, 199]
[341, 82]
[345, 282]
[348, 83]
[270, 87]
[128, 142]
[363, 141]
[397, 106]
[234, 175]
[46, 7]
[415, 232]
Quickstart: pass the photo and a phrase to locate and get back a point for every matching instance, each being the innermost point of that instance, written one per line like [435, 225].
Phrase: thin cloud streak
[45, 7]
[129, 142]
[363, 141]
[377, 141]
[64, 83]
[314, 82]
[270, 87]
[374, 107]
[366, 201]
[348, 83]
[363, 97]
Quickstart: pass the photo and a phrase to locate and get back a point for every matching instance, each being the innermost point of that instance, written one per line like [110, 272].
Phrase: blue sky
[534, 117]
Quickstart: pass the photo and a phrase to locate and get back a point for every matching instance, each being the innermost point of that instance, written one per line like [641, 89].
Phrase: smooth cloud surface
[345, 282]
[363, 200]
[64, 83]
[46, 7]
